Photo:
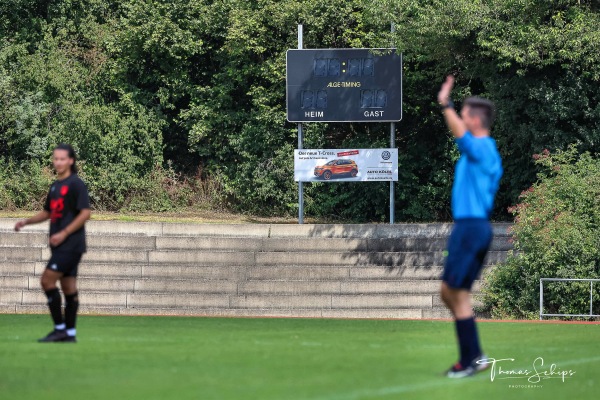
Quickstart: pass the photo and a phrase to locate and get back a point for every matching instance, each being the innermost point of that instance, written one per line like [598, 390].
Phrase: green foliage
[237, 118]
[23, 186]
[141, 86]
[166, 190]
[556, 235]
[537, 60]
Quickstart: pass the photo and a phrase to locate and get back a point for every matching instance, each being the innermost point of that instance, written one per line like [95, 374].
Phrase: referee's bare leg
[458, 301]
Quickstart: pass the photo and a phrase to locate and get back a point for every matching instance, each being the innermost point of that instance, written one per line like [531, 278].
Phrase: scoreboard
[344, 85]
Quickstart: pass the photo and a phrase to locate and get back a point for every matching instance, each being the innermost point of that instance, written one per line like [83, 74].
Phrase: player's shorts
[64, 261]
[468, 244]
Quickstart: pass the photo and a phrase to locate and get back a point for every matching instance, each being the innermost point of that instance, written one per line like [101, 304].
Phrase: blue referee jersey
[476, 177]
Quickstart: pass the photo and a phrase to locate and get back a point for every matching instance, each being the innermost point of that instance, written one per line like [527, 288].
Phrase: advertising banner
[346, 165]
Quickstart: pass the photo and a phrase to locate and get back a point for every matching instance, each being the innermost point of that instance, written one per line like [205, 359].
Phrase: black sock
[55, 304]
[71, 308]
[468, 340]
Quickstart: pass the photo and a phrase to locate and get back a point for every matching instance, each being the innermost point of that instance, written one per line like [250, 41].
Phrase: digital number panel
[344, 85]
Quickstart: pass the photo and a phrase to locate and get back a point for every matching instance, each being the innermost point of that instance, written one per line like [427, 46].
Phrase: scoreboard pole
[392, 145]
[392, 197]
[300, 146]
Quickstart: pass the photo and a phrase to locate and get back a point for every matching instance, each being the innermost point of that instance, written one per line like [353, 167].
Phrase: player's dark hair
[483, 108]
[71, 153]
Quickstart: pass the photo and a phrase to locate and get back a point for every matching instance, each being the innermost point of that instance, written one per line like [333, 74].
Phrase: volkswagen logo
[386, 155]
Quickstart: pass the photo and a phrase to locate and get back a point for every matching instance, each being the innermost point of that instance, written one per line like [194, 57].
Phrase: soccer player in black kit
[68, 208]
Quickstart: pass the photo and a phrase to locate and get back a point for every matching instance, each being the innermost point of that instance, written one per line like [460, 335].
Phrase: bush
[165, 190]
[24, 186]
[556, 235]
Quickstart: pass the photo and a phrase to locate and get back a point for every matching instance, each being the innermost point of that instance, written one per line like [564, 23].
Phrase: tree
[537, 60]
[197, 87]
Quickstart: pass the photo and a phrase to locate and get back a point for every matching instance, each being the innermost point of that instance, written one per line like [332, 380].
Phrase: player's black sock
[71, 308]
[468, 340]
[55, 303]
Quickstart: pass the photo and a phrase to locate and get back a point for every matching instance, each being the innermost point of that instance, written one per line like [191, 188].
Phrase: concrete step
[38, 239]
[23, 239]
[16, 282]
[246, 258]
[22, 254]
[397, 272]
[312, 244]
[95, 299]
[373, 313]
[248, 301]
[12, 296]
[354, 258]
[369, 313]
[10, 268]
[339, 287]
[256, 244]
[368, 231]
[212, 272]
[372, 231]
[419, 277]
[36, 268]
[183, 286]
[262, 244]
[232, 272]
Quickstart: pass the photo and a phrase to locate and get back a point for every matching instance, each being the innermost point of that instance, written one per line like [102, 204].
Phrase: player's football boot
[480, 364]
[70, 339]
[57, 335]
[458, 371]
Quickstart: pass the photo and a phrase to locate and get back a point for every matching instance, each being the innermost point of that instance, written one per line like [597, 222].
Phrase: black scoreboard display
[344, 85]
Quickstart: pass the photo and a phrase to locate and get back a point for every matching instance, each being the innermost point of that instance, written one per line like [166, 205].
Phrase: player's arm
[78, 222]
[453, 120]
[36, 219]
[74, 226]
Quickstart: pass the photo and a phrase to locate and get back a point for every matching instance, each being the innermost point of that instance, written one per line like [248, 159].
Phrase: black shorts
[65, 262]
[468, 244]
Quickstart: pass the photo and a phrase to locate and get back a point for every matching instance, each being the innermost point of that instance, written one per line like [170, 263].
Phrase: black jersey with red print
[65, 200]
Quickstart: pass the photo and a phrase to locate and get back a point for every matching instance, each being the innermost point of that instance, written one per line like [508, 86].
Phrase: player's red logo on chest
[57, 206]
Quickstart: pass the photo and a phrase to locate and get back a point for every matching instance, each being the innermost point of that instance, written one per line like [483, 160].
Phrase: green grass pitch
[317, 359]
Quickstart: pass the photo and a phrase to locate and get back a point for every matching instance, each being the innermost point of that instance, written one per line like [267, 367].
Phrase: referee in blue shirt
[476, 178]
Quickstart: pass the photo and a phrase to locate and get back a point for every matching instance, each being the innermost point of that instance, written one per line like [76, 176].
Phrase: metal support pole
[300, 183]
[392, 145]
[392, 187]
[541, 299]
[300, 146]
[591, 298]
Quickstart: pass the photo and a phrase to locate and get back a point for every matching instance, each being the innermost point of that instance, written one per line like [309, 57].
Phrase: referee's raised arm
[453, 120]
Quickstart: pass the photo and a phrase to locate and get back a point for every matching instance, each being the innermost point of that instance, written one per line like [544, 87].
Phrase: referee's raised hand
[444, 93]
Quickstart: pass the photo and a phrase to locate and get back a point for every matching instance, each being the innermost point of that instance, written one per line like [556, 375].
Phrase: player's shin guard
[55, 304]
[71, 308]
